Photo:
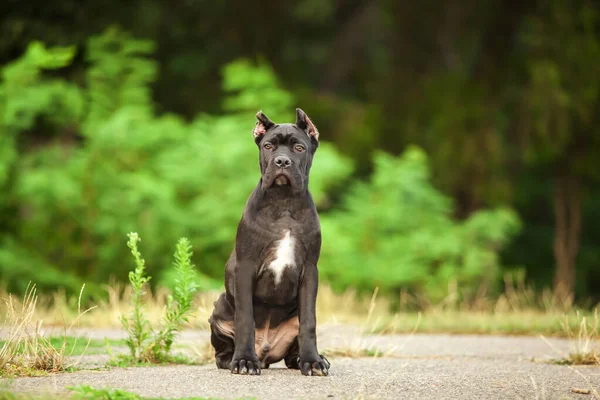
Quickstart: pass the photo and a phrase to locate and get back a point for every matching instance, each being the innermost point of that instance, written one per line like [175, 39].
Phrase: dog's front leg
[310, 361]
[244, 359]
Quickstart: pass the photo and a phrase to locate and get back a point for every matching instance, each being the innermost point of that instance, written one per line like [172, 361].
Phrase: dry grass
[57, 309]
[359, 345]
[584, 340]
[204, 353]
[356, 346]
[585, 348]
[26, 350]
[520, 310]
[352, 308]
[18, 319]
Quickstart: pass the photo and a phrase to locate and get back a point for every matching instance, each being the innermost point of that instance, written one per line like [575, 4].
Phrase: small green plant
[179, 304]
[146, 345]
[136, 325]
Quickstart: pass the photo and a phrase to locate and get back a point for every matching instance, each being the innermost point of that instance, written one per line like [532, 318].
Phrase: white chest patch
[284, 256]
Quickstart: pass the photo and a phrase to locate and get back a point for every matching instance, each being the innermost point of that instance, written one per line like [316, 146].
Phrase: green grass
[84, 392]
[124, 360]
[77, 346]
[87, 392]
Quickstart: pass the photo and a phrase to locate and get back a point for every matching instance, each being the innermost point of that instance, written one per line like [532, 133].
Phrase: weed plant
[25, 350]
[147, 345]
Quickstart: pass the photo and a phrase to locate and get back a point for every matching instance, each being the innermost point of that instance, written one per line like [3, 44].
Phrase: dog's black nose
[283, 162]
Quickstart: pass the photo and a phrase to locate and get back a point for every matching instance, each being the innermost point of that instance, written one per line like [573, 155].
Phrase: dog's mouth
[281, 180]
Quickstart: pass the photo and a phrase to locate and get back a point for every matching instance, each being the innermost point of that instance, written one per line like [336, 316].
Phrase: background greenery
[460, 138]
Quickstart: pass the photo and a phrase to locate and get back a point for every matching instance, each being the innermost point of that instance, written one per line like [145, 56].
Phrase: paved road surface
[416, 367]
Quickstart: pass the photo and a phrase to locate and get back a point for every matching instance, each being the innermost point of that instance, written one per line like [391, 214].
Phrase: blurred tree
[447, 91]
[471, 82]
[559, 117]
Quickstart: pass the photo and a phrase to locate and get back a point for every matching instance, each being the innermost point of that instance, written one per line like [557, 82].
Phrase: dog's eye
[268, 146]
[299, 147]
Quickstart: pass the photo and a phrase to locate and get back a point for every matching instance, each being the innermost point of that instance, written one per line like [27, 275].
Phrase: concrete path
[414, 367]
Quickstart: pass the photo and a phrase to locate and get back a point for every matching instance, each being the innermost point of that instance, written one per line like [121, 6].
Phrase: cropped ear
[304, 123]
[263, 124]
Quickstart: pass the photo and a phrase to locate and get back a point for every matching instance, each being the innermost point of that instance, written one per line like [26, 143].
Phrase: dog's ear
[304, 123]
[263, 124]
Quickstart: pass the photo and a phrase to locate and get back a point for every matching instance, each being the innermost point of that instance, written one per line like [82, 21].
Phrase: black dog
[267, 312]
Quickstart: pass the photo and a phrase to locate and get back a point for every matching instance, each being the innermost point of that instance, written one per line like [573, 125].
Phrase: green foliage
[500, 95]
[18, 266]
[179, 306]
[396, 231]
[146, 345]
[85, 392]
[113, 166]
[133, 170]
[25, 96]
[88, 392]
[249, 86]
[137, 325]
[119, 77]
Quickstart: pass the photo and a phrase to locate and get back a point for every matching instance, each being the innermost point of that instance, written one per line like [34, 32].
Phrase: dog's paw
[245, 365]
[316, 365]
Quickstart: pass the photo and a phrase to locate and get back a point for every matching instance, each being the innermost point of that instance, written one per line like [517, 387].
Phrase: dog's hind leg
[223, 345]
[291, 359]
[222, 332]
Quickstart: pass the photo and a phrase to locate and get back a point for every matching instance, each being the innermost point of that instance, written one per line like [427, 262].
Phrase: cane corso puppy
[267, 312]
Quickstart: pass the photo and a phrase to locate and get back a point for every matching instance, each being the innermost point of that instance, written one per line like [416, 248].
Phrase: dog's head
[286, 151]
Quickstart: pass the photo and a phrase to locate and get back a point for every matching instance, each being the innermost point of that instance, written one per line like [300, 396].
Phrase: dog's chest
[283, 256]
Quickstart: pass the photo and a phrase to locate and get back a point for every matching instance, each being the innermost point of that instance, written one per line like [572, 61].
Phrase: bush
[118, 167]
[396, 231]
[80, 166]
